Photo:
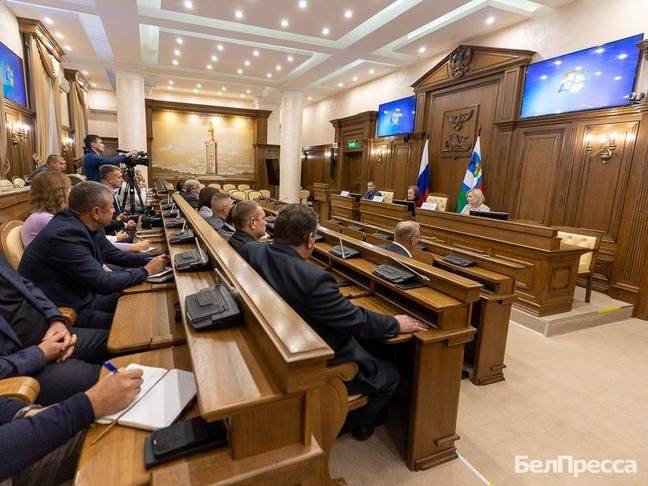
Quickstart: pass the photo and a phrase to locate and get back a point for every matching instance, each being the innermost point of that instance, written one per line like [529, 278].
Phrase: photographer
[92, 159]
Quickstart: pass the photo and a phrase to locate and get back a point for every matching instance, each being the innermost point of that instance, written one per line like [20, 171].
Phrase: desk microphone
[419, 275]
[342, 248]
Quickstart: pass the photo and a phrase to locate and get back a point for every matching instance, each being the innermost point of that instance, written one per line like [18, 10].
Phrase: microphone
[398, 262]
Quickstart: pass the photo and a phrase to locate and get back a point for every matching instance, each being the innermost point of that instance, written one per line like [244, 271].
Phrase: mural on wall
[198, 144]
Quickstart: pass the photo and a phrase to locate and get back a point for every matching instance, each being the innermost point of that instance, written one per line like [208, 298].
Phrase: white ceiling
[258, 55]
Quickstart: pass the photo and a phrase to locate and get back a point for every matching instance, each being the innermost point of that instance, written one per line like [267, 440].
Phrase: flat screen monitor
[396, 117]
[597, 77]
[411, 205]
[272, 171]
[13, 77]
[490, 214]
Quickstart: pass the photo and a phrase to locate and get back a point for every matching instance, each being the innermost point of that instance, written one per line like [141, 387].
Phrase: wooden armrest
[344, 371]
[69, 314]
[23, 388]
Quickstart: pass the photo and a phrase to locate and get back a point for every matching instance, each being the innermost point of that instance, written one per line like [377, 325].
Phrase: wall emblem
[459, 61]
[458, 134]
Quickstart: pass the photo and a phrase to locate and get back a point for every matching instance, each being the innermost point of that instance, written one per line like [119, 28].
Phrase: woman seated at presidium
[413, 194]
[48, 195]
[475, 202]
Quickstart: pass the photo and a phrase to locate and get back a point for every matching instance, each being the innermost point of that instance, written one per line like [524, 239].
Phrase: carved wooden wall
[320, 164]
[20, 140]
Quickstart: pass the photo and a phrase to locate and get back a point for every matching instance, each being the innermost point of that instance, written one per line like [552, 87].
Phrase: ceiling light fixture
[94, 85]
[248, 91]
[67, 48]
[284, 23]
[170, 87]
[269, 75]
[240, 71]
[59, 35]
[195, 90]
[278, 67]
[85, 73]
[246, 62]
[371, 71]
[171, 82]
[199, 86]
[174, 62]
[242, 96]
[220, 47]
[326, 31]
[188, 4]
[355, 78]
[290, 59]
[179, 40]
[219, 93]
[223, 88]
[209, 66]
[177, 52]
[490, 20]
[238, 14]
[422, 49]
[340, 84]
[255, 53]
[310, 98]
[48, 21]
[348, 14]
[302, 4]
[214, 58]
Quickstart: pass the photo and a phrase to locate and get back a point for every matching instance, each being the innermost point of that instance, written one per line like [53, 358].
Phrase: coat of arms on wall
[458, 135]
[459, 61]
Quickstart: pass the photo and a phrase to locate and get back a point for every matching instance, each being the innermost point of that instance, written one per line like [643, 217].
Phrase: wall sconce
[19, 132]
[608, 146]
[68, 141]
[327, 154]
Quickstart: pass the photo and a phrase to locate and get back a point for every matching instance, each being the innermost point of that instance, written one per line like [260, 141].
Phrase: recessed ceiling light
[240, 71]
[195, 90]
[340, 84]
[284, 23]
[310, 98]
[246, 62]
[238, 14]
[490, 20]
[223, 88]
[302, 4]
[59, 35]
[170, 87]
[177, 52]
[67, 48]
[188, 4]
[326, 31]
[269, 75]
[220, 47]
[242, 96]
[209, 66]
[179, 40]
[371, 71]
[85, 73]
[355, 78]
[199, 86]
[422, 49]
[174, 62]
[214, 58]
[48, 21]
[94, 85]
[248, 91]
[290, 58]
[219, 93]
[348, 14]
[278, 67]
[171, 82]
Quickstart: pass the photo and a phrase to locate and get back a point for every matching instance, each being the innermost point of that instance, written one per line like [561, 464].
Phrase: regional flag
[473, 178]
[424, 176]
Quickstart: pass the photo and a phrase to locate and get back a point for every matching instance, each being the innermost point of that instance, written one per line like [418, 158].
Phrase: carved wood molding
[459, 131]
[459, 61]
[208, 109]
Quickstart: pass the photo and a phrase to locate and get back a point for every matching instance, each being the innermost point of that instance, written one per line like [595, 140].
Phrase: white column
[131, 112]
[274, 129]
[291, 135]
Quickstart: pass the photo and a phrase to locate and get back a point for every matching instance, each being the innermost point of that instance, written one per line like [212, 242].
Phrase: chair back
[440, 199]
[6, 185]
[243, 187]
[265, 192]
[11, 242]
[387, 196]
[240, 195]
[589, 241]
[253, 195]
[215, 186]
[228, 187]
[18, 182]
[304, 194]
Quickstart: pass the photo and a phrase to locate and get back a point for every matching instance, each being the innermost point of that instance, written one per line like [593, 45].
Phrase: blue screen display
[597, 77]
[13, 78]
[396, 117]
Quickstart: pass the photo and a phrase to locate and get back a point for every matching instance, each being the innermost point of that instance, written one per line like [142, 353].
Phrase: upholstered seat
[243, 187]
[387, 196]
[6, 185]
[253, 195]
[265, 192]
[587, 260]
[240, 195]
[215, 186]
[228, 187]
[441, 200]
[18, 182]
[12, 246]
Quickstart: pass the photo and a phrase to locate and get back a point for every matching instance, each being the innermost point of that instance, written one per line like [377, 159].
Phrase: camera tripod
[132, 188]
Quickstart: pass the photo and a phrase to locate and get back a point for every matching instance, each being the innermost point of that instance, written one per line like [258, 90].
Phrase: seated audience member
[92, 159]
[41, 446]
[54, 162]
[49, 195]
[406, 235]
[180, 185]
[475, 202]
[221, 204]
[204, 201]
[191, 191]
[111, 177]
[249, 220]
[371, 191]
[66, 258]
[35, 341]
[413, 194]
[313, 293]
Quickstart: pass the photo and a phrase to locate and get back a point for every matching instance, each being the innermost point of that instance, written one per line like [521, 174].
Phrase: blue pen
[110, 367]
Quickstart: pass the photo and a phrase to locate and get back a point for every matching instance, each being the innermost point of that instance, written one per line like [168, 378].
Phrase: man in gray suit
[406, 235]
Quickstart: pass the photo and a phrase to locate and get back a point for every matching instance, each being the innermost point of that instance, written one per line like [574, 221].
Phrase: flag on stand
[423, 182]
[473, 178]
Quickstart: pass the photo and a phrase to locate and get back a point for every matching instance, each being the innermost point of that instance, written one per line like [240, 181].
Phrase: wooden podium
[322, 200]
[383, 214]
[345, 207]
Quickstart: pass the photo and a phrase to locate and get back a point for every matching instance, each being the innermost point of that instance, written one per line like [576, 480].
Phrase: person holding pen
[41, 445]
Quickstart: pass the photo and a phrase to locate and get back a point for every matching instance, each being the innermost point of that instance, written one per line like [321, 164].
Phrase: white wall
[549, 32]
[9, 33]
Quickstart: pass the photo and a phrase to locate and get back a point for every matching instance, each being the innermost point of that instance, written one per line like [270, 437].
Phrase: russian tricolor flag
[424, 176]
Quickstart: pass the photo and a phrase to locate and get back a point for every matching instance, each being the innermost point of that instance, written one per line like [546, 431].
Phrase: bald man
[406, 235]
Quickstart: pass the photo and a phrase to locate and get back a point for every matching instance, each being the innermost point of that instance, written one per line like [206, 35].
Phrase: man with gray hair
[406, 235]
[221, 204]
[66, 258]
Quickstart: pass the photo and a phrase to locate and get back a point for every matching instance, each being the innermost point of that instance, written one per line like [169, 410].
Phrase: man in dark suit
[249, 220]
[371, 191]
[406, 235]
[221, 204]
[35, 341]
[111, 177]
[313, 293]
[41, 445]
[92, 159]
[190, 193]
[66, 258]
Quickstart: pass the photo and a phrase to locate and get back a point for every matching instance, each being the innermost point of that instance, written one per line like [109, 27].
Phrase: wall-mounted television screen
[13, 77]
[598, 77]
[396, 117]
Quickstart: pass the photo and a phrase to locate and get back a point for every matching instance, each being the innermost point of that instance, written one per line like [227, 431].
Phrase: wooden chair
[215, 186]
[228, 187]
[265, 193]
[387, 196]
[11, 242]
[18, 182]
[254, 195]
[304, 194]
[243, 187]
[240, 195]
[585, 239]
[23, 388]
[6, 185]
[440, 199]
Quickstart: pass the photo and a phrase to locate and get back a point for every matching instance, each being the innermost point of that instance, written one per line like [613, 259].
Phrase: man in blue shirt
[92, 159]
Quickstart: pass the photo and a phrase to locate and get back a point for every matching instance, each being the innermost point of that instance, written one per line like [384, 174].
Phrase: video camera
[140, 158]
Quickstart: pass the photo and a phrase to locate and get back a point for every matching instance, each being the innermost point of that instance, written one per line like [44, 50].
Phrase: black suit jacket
[371, 194]
[239, 239]
[313, 293]
[66, 259]
[396, 249]
[191, 198]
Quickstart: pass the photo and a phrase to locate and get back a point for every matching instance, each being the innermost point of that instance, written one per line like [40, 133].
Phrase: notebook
[163, 397]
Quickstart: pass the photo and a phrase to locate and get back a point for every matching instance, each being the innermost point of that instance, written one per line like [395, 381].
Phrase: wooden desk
[322, 200]
[344, 207]
[13, 205]
[382, 213]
